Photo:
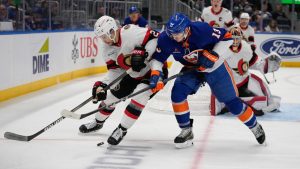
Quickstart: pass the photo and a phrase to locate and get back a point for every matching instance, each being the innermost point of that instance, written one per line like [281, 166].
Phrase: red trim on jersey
[111, 64]
[255, 99]
[105, 113]
[260, 83]
[215, 13]
[146, 38]
[119, 43]
[240, 67]
[243, 82]
[253, 59]
[251, 38]
[239, 48]
[230, 23]
[131, 115]
[243, 27]
[121, 62]
[137, 104]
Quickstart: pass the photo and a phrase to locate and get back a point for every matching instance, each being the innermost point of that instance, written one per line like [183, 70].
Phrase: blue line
[43, 31]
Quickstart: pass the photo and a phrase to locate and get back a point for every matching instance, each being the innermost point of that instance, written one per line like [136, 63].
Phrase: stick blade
[69, 114]
[14, 136]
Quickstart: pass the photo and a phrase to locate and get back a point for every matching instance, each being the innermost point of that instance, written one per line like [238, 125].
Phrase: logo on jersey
[171, 25]
[285, 47]
[191, 58]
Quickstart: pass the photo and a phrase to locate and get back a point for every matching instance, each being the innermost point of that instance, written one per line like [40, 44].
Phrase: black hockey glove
[98, 92]
[138, 57]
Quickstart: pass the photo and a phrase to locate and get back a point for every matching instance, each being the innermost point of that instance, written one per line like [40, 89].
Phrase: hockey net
[198, 103]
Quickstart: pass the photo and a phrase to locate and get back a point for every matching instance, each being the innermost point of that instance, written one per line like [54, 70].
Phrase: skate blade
[184, 145]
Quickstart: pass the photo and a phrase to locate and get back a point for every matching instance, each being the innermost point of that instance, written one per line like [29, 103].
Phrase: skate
[185, 138]
[117, 136]
[259, 133]
[91, 127]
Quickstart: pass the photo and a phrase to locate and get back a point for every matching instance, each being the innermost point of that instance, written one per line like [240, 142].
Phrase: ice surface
[220, 142]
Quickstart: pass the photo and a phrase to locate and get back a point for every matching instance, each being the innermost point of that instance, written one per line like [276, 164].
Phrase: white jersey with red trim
[221, 19]
[117, 57]
[109, 54]
[248, 34]
[132, 36]
[239, 61]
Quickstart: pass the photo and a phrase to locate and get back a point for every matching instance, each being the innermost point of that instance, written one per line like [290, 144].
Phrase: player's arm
[229, 21]
[159, 57]
[270, 64]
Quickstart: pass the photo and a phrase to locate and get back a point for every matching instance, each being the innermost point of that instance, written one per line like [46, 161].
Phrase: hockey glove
[207, 59]
[138, 57]
[155, 81]
[98, 92]
[273, 62]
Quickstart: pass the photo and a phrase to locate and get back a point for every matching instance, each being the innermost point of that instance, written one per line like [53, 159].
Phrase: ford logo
[285, 47]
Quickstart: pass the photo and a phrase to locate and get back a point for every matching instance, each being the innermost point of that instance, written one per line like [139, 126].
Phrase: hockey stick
[14, 136]
[70, 114]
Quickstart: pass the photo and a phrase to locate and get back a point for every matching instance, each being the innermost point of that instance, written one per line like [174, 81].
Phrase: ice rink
[220, 142]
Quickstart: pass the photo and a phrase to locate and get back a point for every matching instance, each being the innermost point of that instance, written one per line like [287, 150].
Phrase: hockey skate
[185, 138]
[117, 136]
[91, 127]
[259, 133]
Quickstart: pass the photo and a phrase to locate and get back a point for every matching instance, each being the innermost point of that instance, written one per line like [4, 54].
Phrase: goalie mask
[236, 36]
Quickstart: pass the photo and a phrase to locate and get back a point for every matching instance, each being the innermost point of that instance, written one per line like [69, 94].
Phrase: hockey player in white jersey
[247, 30]
[217, 16]
[129, 47]
[252, 89]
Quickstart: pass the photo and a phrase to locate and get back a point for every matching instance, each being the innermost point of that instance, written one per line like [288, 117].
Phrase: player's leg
[131, 114]
[223, 87]
[124, 88]
[183, 86]
[260, 88]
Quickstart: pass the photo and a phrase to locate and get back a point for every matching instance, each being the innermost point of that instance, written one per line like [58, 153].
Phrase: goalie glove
[273, 62]
[138, 57]
[98, 92]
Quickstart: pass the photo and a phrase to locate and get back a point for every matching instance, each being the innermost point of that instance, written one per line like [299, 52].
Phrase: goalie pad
[263, 100]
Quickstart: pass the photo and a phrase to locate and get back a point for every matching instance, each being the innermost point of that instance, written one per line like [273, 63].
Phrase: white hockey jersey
[239, 61]
[221, 19]
[248, 34]
[118, 57]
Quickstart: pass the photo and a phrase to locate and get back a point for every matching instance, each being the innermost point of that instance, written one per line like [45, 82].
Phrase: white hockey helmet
[244, 15]
[104, 25]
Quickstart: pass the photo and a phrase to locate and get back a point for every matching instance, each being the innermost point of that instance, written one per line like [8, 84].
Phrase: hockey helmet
[104, 26]
[237, 35]
[177, 24]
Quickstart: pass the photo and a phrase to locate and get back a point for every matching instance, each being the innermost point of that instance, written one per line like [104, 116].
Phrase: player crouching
[252, 89]
[129, 47]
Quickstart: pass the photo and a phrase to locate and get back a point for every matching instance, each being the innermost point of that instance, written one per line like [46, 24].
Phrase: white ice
[220, 142]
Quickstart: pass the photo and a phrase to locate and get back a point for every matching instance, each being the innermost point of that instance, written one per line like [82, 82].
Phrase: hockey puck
[100, 144]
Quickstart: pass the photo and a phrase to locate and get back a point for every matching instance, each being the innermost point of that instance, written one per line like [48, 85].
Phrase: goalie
[252, 89]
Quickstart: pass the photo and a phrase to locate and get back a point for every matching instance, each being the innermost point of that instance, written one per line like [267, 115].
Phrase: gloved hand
[273, 62]
[98, 92]
[156, 81]
[138, 57]
[253, 47]
[207, 59]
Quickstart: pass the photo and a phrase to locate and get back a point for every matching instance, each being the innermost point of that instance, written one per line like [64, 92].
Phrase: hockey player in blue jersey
[191, 44]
